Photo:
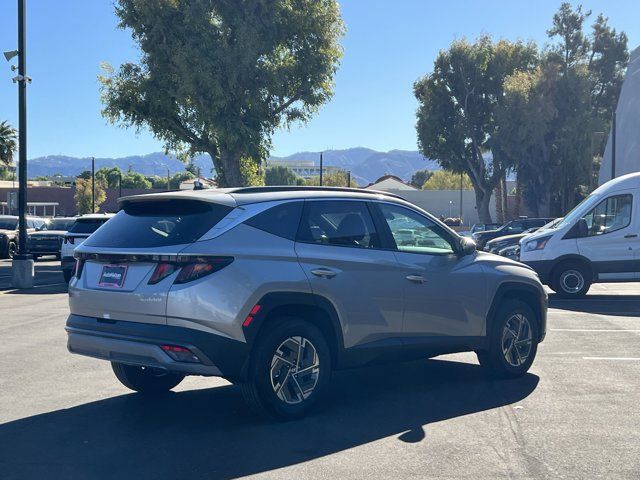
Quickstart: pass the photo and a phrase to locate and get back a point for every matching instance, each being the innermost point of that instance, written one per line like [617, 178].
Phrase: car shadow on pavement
[618, 305]
[210, 433]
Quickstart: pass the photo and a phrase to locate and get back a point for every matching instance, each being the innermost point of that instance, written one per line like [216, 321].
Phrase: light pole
[320, 168]
[22, 264]
[93, 185]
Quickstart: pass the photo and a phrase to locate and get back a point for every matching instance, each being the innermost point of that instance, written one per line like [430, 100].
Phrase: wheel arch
[572, 258]
[308, 306]
[524, 292]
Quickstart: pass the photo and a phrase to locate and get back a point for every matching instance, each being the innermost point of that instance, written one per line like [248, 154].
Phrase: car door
[340, 251]
[444, 293]
[611, 243]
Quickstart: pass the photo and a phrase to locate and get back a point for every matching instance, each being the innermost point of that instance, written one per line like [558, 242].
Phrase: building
[390, 182]
[306, 168]
[627, 120]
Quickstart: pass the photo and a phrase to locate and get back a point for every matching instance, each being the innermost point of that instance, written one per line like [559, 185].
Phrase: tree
[82, 196]
[457, 106]
[419, 178]
[8, 143]
[445, 180]
[336, 178]
[109, 176]
[281, 175]
[135, 180]
[219, 76]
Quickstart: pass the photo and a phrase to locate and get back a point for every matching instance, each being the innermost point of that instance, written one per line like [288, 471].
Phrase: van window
[611, 214]
[158, 223]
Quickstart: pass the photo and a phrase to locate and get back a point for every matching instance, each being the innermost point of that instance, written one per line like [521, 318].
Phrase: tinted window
[159, 223]
[8, 223]
[515, 227]
[414, 233]
[87, 225]
[59, 224]
[281, 220]
[346, 224]
[610, 215]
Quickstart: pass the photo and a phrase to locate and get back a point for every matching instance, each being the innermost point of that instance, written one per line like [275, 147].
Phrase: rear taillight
[78, 267]
[201, 267]
[162, 271]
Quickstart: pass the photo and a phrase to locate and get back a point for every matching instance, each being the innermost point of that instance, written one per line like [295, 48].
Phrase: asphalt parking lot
[575, 415]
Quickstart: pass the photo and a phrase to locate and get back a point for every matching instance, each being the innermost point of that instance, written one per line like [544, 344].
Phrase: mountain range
[366, 165]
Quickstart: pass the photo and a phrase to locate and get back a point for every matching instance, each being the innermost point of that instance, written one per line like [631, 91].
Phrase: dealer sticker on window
[113, 276]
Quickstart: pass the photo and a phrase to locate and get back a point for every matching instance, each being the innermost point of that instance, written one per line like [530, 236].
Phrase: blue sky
[388, 45]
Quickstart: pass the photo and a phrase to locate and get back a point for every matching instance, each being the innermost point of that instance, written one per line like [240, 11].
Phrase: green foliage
[82, 196]
[281, 175]
[419, 178]
[337, 178]
[446, 180]
[8, 143]
[219, 76]
[457, 106]
[174, 182]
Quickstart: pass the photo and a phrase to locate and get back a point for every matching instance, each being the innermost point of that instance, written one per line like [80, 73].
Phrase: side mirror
[579, 230]
[467, 246]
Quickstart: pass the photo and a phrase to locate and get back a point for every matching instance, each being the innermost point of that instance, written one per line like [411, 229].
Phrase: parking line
[593, 330]
[636, 359]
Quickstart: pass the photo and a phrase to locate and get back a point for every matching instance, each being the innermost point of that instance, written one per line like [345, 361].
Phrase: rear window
[159, 223]
[86, 226]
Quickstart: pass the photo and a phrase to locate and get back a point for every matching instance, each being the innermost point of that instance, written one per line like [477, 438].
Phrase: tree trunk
[482, 205]
[500, 213]
[228, 172]
[505, 197]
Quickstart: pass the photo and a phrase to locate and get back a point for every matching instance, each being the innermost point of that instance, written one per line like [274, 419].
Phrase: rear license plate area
[113, 276]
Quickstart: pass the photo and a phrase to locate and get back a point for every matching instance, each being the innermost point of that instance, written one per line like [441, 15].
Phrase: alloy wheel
[517, 340]
[295, 369]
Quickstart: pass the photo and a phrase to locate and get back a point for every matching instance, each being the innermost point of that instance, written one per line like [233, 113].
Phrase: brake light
[162, 271]
[201, 267]
[78, 267]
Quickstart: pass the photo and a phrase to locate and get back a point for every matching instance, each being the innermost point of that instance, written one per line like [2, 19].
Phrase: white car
[78, 233]
[596, 242]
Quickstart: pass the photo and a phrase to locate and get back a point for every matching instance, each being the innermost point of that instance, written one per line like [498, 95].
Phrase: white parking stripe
[636, 359]
[592, 330]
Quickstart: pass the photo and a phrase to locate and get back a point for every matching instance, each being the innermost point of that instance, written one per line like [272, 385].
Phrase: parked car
[499, 243]
[596, 242]
[274, 288]
[83, 226]
[483, 227]
[510, 228]
[512, 252]
[9, 233]
[48, 239]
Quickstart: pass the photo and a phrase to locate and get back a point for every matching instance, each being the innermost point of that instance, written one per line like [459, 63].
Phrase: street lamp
[22, 263]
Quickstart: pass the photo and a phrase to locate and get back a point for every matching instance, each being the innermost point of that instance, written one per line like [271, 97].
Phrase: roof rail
[297, 188]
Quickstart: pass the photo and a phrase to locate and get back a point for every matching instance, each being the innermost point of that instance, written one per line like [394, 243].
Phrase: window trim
[390, 241]
[628, 194]
[305, 210]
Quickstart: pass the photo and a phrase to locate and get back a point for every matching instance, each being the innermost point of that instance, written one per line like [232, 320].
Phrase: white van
[596, 242]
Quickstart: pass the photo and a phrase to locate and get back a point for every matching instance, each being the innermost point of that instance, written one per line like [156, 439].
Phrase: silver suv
[274, 288]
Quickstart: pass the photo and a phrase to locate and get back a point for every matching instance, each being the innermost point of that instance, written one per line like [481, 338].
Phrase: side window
[281, 220]
[609, 215]
[516, 227]
[414, 233]
[340, 223]
[30, 223]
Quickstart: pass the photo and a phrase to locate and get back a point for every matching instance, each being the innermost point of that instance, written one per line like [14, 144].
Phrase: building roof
[390, 182]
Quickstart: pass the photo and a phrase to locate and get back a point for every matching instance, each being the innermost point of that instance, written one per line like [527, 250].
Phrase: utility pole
[93, 185]
[613, 147]
[461, 174]
[119, 183]
[320, 168]
[168, 179]
[22, 265]
[349, 178]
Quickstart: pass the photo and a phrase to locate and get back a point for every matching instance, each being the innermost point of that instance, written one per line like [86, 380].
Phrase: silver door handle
[324, 273]
[416, 278]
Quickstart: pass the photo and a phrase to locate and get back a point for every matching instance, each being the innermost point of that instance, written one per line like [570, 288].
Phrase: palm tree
[8, 143]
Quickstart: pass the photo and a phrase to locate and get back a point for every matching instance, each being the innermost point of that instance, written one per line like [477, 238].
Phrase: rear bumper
[139, 344]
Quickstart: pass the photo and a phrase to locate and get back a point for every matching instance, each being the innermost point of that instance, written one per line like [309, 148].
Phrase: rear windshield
[8, 224]
[159, 223]
[59, 224]
[87, 226]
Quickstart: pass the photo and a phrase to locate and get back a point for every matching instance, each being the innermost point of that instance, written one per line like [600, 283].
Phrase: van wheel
[514, 341]
[144, 379]
[289, 370]
[571, 280]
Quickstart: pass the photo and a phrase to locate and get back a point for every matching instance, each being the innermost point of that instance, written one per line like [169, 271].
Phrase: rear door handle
[631, 235]
[324, 273]
[416, 278]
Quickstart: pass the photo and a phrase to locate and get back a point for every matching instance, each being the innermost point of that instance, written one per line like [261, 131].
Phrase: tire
[67, 275]
[271, 390]
[12, 249]
[503, 358]
[571, 280]
[145, 380]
